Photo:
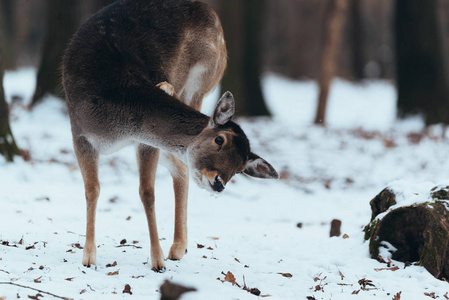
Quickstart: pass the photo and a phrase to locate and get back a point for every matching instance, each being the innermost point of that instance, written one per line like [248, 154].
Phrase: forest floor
[270, 235]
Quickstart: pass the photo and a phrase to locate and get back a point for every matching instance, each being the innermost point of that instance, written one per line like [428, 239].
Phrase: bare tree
[421, 75]
[61, 22]
[334, 21]
[8, 146]
[242, 24]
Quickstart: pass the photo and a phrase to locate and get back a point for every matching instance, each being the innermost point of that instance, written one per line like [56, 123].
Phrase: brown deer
[110, 72]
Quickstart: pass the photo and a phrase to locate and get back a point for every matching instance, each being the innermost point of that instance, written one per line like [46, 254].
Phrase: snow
[327, 173]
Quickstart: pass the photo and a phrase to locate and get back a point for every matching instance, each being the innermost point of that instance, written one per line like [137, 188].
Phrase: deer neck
[170, 125]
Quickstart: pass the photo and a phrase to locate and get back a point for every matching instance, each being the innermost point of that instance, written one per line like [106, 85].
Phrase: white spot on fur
[193, 82]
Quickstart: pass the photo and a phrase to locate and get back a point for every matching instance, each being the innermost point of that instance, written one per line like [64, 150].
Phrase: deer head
[222, 150]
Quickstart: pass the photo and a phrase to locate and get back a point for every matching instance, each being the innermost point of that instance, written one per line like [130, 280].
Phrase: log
[418, 232]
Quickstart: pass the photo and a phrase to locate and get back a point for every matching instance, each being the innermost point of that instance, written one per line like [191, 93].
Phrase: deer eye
[219, 140]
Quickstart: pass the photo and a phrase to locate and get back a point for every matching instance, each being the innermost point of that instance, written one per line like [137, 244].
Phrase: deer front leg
[88, 162]
[180, 174]
[147, 158]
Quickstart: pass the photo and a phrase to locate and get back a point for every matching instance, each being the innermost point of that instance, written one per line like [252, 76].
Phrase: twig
[138, 247]
[37, 290]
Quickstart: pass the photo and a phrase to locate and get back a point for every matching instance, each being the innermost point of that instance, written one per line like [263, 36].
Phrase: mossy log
[419, 232]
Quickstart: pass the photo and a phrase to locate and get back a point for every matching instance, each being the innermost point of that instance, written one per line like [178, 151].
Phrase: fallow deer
[110, 71]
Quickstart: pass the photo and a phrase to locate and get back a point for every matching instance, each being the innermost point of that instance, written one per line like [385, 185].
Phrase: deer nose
[218, 184]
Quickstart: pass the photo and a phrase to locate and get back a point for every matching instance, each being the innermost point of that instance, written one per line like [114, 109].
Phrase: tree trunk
[421, 77]
[358, 61]
[418, 232]
[333, 33]
[8, 147]
[62, 20]
[242, 24]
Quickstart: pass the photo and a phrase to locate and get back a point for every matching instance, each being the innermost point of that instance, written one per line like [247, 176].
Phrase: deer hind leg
[88, 162]
[147, 158]
[180, 174]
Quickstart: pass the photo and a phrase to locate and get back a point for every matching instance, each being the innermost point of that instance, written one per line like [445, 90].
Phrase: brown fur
[110, 72]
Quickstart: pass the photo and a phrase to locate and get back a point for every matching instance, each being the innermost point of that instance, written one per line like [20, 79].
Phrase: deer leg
[147, 158]
[180, 174]
[88, 162]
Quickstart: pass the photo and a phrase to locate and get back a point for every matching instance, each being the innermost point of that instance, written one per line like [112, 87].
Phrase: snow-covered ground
[252, 230]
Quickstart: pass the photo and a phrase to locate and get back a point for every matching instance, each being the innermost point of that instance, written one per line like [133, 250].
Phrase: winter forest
[345, 101]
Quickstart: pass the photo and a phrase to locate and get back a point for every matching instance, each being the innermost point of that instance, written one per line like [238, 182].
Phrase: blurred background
[404, 42]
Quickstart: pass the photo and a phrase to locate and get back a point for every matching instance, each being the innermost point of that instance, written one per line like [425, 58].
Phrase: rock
[335, 228]
[419, 232]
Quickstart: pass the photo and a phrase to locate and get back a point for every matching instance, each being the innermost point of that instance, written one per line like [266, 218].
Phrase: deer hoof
[89, 257]
[177, 252]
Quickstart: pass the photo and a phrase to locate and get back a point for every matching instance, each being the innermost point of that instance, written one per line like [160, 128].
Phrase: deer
[136, 74]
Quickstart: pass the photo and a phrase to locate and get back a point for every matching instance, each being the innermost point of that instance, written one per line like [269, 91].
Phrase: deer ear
[260, 168]
[224, 110]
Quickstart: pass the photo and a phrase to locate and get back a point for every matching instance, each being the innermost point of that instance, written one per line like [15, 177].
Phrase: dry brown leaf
[355, 292]
[113, 273]
[127, 289]
[445, 296]
[30, 247]
[213, 238]
[199, 246]
[395, 268]
[229, 277]
[77, 245]
[70, 278]
[237, 260]
[129, 218]
[431, 295]
[341, 275]
[288, 275]
[83, 291]
[397, 296]
[123, 242]
[111, 265]
[345, 236]
[210, 248]
[37, 280]
[137, 277]
[36, 297]
[41, 267]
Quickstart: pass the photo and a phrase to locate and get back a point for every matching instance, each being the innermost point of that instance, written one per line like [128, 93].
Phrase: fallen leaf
[355, 292]
[445, 296]
[135, 242]
[237, 260]
[204, 256]
[199, 246]
[311, 298]
[111, 265]
[397, 296]
[77, 245]
[395, 268]
[83, 291]
[229, 277]
[341, 275]
[129, 218]
[288, 275]
[70, 279]
[36, 297]
[246, 266]
[213, 238]
[41, 267]
[37, 280]
[210, 248]
[113, 273]
[345, 236]
[137, 277]
[431, 295]
[21, 241]
[123, 242]
[127, 289]
[30, 247]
